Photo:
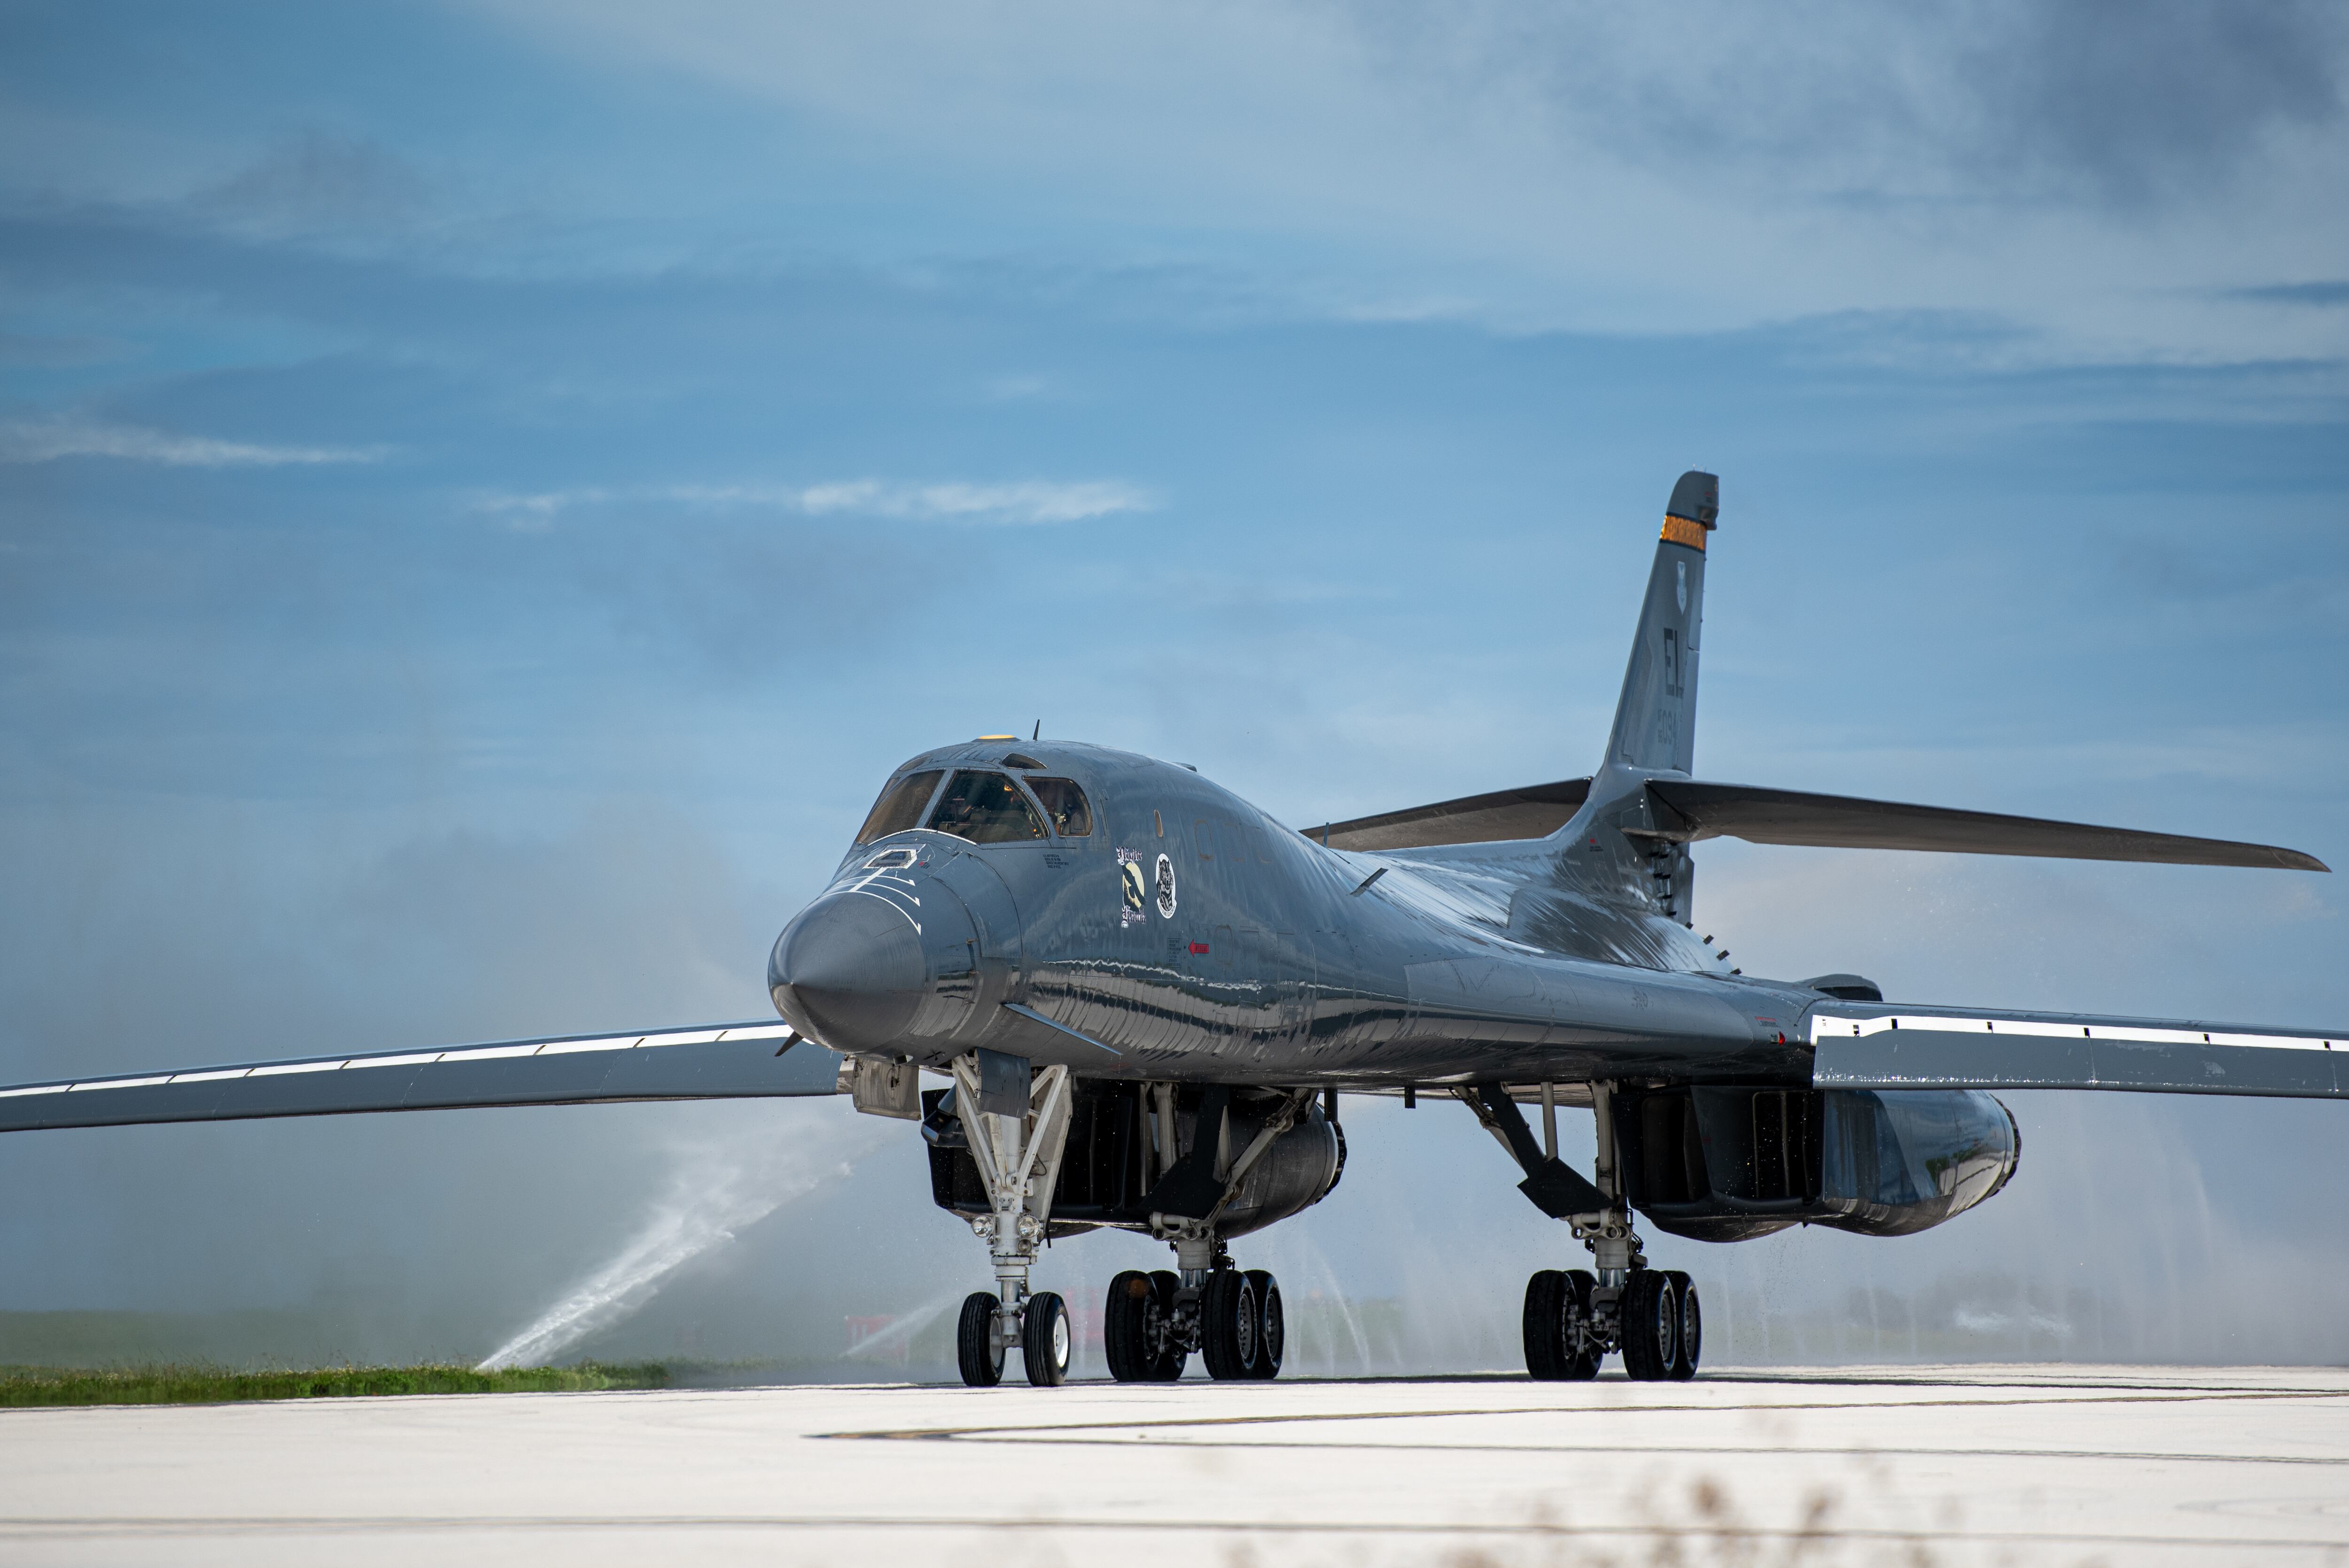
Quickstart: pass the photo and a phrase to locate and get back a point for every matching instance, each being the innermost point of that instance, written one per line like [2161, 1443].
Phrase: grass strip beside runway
[197, 1384]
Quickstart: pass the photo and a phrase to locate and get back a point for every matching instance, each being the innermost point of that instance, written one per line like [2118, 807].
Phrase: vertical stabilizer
[1655, 722]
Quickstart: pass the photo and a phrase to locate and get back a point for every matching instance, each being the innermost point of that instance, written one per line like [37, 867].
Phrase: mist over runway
[2010, 1465]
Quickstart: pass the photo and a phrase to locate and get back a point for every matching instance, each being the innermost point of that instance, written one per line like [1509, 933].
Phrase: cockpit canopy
[986, 808]
[981, 805]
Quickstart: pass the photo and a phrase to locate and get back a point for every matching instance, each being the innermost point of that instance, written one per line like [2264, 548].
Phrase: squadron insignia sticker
[1135, 885]
[1681, 567]
[1165, 888]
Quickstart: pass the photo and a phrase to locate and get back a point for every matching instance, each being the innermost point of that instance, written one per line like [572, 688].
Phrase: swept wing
[709, 1061]
[1686, 811]
[1765, 816]
[1868, 1046]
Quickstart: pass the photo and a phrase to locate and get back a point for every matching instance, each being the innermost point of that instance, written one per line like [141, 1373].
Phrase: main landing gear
[1573, 1318]
[1571, 1321]
[1152, 1323]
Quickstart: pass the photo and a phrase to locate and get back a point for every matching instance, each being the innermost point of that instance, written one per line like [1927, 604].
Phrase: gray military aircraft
[1146, 996]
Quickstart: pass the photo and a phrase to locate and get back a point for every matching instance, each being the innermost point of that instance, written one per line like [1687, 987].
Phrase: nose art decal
[1165, 888]
[891, 888]
[1136, 887]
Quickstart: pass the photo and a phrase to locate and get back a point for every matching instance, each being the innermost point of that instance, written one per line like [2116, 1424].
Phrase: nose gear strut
[1018, 1152]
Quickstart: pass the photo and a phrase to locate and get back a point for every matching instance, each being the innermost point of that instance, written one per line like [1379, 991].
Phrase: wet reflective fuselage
[1188, 935]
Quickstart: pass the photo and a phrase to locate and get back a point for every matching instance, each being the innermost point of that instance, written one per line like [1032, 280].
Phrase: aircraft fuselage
[1185, 935]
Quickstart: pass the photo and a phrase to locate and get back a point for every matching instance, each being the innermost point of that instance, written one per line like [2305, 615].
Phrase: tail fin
[1655, 721]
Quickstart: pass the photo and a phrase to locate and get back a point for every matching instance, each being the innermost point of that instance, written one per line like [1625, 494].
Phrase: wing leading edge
[1869, 1046]
[715, 1061]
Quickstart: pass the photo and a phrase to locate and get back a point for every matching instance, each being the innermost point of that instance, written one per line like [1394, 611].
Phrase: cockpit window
[985, 808]
[1072, 816]
[900, 806]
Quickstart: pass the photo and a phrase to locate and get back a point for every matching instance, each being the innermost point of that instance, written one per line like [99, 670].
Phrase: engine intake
[1111, 1162]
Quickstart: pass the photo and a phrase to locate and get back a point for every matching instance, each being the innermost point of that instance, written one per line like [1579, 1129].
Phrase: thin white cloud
[1033, 500]
[48, 441]
[1016, 503]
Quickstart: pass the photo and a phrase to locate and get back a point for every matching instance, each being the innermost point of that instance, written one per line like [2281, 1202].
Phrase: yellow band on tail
[1680, 531]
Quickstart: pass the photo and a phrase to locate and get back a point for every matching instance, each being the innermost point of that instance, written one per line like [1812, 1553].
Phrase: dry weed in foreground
[1705, 1529]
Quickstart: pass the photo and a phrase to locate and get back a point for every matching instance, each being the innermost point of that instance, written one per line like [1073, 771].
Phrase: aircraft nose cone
[848, 971]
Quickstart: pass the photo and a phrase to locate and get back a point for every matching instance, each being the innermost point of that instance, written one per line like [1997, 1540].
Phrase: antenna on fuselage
[1040, 731]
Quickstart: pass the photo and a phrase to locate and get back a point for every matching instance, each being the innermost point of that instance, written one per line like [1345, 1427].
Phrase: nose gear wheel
[1044, 1340]
[979, 1348]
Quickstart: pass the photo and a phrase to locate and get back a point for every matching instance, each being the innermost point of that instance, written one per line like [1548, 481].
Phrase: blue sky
[488, 491]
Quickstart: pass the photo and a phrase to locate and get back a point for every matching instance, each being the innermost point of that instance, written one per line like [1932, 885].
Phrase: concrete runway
[1910, 1465]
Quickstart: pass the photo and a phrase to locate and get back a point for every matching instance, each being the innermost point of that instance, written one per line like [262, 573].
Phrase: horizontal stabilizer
[1839, 821]
[1535, 811]
[713, 1061]
[1964, 1047]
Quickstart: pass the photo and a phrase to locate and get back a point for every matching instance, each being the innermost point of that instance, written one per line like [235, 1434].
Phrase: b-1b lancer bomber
[1143, 997]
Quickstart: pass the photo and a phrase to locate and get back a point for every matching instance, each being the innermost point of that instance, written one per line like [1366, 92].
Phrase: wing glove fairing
[714, 1061]
[1533, 811]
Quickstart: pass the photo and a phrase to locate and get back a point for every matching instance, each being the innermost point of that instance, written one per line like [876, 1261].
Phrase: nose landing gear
[1018, 1126]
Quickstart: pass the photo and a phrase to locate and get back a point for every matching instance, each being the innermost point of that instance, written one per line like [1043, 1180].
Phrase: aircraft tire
[1690, 1343]
[1271, 1325]
[1125, 1328]
[1581, 1356]
[1164, 1286]
[1543, 1323]
[1650, 1311]
[1046, 1344]
[977, 1350]
[1227, 1337]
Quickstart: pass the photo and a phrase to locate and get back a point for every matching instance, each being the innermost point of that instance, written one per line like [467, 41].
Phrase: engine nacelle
[1725, 1163]
[1291, 1176]
[1111, 1157]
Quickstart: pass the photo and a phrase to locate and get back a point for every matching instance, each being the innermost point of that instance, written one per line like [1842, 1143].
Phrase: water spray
[715, 1192]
